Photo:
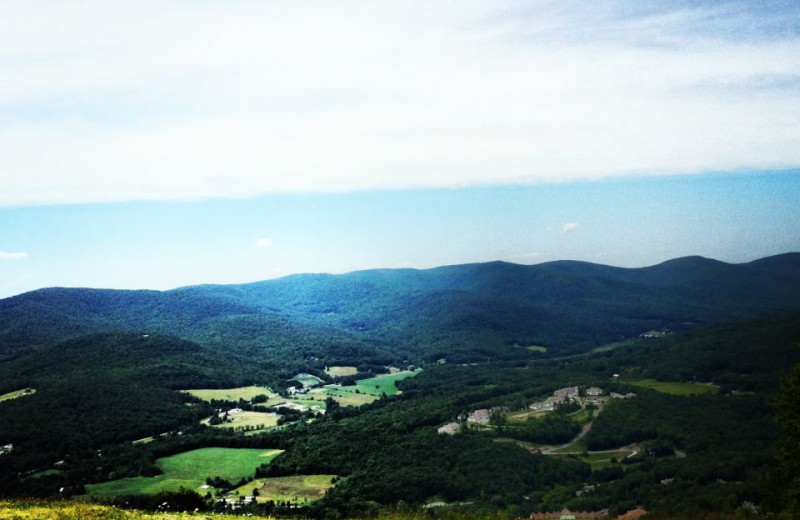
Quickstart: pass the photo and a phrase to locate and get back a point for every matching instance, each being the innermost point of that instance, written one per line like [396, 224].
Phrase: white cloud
[569, 226]
[136, 100]
[263, 243]
[12, 256]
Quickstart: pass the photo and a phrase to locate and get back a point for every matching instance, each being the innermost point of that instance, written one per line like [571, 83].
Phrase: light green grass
[612, 346]
[230, 394]
[308, 381]
[250, 419]
[521, 416]
[577, 446]
[582, 416]
[17, 393]
[344, 396]
[298, 488]
[537, 348]
[383, 384]
[75, 510]
[189, 470]
[341, 371]
[675, 387]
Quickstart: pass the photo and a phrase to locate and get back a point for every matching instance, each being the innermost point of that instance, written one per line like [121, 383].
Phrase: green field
[75, 510]
[676, 387]
[307, 380]
[341, 371]
[298, 488]
[17, 393]
[250, 419]
[230, 394]
[612, 346]
[520, 416]
[603, 459]
[343, 395]
[537, 348]
[189, 470]
[383, 384]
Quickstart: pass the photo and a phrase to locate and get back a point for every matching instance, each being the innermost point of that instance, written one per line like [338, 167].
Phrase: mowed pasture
[297, 488]
[341, 371]
[250, 420]
[383, 384]
[230, 394]
[189, 470]
[17, 393]
[343, 396]
[676, 387]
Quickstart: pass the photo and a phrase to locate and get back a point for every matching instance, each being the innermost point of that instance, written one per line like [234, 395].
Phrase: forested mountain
[470, 312]
[106, 367]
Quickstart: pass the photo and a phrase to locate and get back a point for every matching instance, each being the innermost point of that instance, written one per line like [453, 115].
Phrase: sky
[153, 145]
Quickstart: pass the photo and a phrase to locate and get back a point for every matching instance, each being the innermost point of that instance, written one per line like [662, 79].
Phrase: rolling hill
[462, 313]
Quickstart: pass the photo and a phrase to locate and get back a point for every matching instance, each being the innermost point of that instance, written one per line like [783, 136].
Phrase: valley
[467, 387]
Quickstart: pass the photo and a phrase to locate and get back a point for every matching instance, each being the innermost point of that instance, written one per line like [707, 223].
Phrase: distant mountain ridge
[463, 313]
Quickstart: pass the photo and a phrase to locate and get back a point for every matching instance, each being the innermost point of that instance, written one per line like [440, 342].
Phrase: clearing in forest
[246, 419]
[676, 387]
[341, 371]
[230, 394]
[17, 393]
[297, 488]
[189, 470]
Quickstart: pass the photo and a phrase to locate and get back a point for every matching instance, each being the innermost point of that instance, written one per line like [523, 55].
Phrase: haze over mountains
[461, 313]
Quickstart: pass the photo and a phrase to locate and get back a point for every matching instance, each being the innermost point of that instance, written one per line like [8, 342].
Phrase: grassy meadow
[231, 394]
[341, 371]
[189, 470]
[297, 488]
[17, 393]
[675, 387]
[383, 384]
[250, 419]
[43, 510]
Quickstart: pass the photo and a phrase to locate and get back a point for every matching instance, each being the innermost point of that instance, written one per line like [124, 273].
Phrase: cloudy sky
[156, 144]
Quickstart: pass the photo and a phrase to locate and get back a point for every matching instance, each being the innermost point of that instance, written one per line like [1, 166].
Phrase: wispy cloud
[4, 255]
[253, 97]
[263, 243]
[569, 226]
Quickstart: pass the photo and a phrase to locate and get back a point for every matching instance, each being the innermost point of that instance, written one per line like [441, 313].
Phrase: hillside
[84, 373]
[463, 313]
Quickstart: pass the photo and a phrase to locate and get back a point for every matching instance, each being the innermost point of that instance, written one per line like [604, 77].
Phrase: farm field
[250, 419]
[297, 488]
[189, 470]
[17, 393]
[230, 394]
[75, 510]
[307, 380]
[343, 395]
[383, 384]
[676, 387]
[341, 371]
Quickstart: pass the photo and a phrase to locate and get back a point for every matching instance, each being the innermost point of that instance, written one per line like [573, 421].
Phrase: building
[570, 392]
[449, 429]
[480, 417]
[594, 391]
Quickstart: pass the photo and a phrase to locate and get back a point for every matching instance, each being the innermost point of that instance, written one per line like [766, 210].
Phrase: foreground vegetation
[189, 470]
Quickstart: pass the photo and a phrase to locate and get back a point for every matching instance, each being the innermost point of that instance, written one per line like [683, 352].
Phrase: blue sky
[625, 222]
[145, 144]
